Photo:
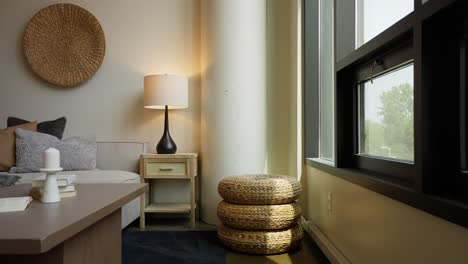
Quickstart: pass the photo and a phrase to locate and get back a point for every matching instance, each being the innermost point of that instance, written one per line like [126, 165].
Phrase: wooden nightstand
[169, 167]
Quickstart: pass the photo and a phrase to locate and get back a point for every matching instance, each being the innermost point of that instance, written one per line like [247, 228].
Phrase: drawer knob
[165, 169]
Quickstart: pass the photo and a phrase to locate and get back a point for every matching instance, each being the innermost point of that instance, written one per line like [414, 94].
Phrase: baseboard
[327, 247]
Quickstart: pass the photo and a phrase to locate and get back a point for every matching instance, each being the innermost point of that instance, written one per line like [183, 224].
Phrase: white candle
[51, 158]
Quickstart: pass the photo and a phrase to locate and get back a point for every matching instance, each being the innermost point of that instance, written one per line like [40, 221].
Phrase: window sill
[322, 161]
[449, 210]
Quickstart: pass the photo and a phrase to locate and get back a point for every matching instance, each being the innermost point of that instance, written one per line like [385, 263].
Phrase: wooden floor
[308, 253]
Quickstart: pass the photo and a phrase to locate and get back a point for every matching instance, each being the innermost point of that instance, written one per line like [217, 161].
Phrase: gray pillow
[76, 153]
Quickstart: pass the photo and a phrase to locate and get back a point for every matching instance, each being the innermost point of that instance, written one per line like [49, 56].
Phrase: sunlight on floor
[307, 254]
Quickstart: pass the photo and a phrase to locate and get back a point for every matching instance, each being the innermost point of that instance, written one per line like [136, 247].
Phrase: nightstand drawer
[166, 168]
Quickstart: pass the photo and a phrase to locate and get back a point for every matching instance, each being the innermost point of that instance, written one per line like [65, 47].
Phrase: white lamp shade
[164, 89]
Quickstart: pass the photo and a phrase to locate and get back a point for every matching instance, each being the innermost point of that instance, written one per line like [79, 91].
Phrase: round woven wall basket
[259, 189]
[260, 242]
[260, 217]
[64, 44]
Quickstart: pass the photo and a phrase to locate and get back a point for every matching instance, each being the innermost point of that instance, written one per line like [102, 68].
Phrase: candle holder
[51, 193]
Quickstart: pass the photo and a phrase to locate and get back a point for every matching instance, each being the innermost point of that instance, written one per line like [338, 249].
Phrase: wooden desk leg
[142, 211]
[143, 196]
[142, 207]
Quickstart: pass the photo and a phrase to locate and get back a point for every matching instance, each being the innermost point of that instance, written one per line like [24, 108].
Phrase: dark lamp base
[166, 145]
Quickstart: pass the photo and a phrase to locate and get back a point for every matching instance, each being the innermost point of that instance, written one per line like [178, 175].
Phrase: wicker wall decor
[64, 44]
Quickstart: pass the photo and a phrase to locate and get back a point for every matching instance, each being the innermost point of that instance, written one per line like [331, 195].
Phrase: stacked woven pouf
[259, 213]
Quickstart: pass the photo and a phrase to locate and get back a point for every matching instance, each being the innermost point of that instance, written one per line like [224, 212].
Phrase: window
[319, 80]
[387, 115]
[326, 80]
[373, 17]
[377, 130]
[400, 102]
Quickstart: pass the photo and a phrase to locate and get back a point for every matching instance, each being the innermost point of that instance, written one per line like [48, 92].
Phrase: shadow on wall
[304, 198]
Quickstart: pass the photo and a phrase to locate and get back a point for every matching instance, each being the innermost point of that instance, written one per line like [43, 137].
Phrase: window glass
[326, 76]
[387, 116]
[374, 16]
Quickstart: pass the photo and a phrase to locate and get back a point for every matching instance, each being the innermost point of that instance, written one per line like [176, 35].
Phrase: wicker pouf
[259, 189]
[260, 217]
[261, 242]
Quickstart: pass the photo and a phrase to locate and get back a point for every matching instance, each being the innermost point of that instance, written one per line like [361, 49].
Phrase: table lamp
[166, 92]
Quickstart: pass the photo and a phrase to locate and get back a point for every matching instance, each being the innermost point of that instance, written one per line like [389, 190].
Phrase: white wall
[283, 82]
[142, 37]
[371, 228]
[233, 94]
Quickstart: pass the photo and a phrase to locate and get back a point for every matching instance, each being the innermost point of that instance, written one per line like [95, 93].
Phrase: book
[14, 204]
[36, 193]
[62, 180]
[68, 188]
[67, 194]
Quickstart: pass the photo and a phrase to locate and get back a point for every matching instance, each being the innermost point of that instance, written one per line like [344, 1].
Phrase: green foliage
[394, 137]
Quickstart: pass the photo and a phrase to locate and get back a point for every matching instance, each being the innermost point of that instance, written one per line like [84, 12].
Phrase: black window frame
[434, 183]
[464, 107]
[399, 56]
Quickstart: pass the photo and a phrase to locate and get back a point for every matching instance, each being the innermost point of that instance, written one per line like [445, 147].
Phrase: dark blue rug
[167, 247]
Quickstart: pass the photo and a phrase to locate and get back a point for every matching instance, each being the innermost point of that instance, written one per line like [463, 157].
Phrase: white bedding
[92, 176]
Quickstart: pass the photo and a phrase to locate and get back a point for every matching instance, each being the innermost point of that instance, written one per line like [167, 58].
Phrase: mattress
[130, 211]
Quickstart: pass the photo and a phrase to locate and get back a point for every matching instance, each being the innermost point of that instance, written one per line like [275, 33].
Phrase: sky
[382, 84]
[378, 16]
